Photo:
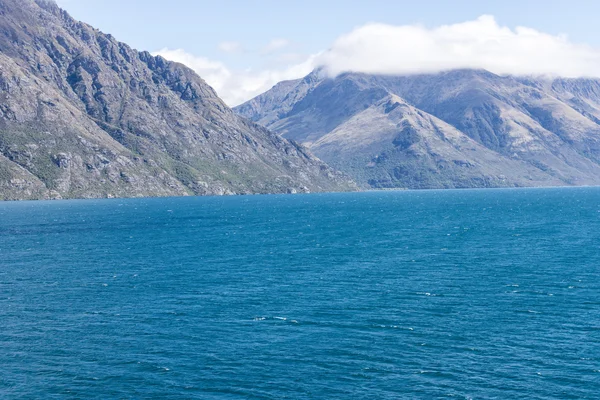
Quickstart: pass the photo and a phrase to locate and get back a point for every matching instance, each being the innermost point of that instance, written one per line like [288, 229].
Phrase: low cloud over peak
[478, 44]
[407, 49]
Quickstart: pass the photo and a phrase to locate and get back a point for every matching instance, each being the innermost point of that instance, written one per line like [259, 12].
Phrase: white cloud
[387, 49]
[275, 45]
[482, 44]
[230, 47]
[239, 86]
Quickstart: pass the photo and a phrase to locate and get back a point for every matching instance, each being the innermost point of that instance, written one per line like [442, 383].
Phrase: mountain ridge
[531, 131]
[87, 116]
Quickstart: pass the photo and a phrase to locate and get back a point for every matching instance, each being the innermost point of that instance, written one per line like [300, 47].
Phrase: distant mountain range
[456, 129]
[83, 115]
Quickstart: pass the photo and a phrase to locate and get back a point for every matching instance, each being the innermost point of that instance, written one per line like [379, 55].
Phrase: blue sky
[255, 36]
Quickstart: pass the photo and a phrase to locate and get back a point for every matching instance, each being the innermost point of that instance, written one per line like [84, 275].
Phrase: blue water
[460, 294]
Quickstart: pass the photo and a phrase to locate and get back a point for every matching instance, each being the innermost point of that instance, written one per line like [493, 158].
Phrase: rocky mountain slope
[465, 128]
[83, 115]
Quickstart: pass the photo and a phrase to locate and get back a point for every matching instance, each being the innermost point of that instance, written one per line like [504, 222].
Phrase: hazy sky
[243, 47]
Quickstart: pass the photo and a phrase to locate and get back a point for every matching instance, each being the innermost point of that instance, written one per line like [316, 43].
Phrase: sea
[461, 294]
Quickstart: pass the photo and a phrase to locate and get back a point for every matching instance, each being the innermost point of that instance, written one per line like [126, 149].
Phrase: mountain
[83, 115]
[455, 129]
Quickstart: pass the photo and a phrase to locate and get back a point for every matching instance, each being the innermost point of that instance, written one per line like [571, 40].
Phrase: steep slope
[417, 150]
[493, 110]
[87, 116]
[536, 132]
[315, 106]
[583, 95]
[266, 109]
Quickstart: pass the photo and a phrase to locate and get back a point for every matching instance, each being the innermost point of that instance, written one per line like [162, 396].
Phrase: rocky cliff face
[455, 129]
[83, 115]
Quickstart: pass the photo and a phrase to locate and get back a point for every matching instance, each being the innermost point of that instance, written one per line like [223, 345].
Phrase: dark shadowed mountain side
[464, 128]
[83, 115]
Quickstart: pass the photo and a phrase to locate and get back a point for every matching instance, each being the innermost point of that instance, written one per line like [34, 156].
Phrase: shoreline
[385, 190]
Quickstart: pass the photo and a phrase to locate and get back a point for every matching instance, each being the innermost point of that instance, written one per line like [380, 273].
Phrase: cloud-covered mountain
[479, 44]
[376, 48]
[462, 128]
[83, 115]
